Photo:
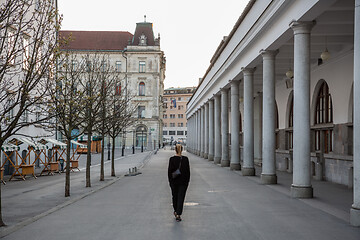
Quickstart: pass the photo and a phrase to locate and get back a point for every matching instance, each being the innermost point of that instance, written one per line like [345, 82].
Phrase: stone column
[355, 209]
[211, 130]
[206, 128]
[225, 162]
[248, 130]
[235, 126]
[301, 187]
[268, 175]
[201, 131]
[217, 127]
[197, 133]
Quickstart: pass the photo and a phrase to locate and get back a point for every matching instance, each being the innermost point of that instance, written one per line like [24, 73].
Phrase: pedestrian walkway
[23, 200]
[220, 204]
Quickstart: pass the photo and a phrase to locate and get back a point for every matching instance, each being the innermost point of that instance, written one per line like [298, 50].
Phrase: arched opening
[141, 136]
[141, 89]
[290, 122]
[323, 118]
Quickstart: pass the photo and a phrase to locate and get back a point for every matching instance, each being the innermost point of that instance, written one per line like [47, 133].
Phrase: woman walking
[179, 181]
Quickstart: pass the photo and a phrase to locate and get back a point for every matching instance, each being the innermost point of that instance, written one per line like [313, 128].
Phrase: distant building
[174, 117]
[140, 63]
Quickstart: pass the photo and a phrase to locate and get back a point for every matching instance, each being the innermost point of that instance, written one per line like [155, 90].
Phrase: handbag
[177, 172]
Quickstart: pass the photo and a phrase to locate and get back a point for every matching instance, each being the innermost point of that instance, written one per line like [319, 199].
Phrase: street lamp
[123, 146]
[142, 139]
[109, 148]
[133, 146]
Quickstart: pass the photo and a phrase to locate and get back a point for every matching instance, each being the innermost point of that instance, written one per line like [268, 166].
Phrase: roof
[144, 28]
[95, 40]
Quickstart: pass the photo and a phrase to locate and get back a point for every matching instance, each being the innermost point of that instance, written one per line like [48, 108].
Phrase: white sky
[190, 30]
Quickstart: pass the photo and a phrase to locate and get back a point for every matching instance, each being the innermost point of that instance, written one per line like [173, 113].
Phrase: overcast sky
[190, 30]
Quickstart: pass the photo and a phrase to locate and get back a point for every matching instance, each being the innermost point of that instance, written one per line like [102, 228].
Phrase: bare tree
[69, 101]
[97, 65]
[27, 52]
[121, 110]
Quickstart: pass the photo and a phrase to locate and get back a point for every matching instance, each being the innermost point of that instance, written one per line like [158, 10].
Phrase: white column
[235, 127]
[211, 130]
[248, 130]
[202, 131]
[268, 175]
[206, 128]
[355, 209]
[199, 132]
[225, 162]
[217, 127]
[301, 187]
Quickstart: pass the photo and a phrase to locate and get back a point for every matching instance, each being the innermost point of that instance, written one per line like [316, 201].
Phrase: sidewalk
[23, 200]
[220, 204]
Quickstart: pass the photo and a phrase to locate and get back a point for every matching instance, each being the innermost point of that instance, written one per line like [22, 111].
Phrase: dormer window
[142, 40]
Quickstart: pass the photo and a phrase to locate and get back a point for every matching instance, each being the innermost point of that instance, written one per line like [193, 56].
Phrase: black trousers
[178, 196]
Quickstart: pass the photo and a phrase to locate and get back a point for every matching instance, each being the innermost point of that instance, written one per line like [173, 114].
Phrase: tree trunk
[113, 158]
[67, 176]
[1, 220]
[88, 160]
[102, 158]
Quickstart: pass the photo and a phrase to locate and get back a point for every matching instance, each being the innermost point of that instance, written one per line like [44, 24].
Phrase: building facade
[174, 117]
[140, 64]
[282, 90]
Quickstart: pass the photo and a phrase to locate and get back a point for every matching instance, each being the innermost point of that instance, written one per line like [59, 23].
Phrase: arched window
[290, 133]
[323, 116]
[142, 89]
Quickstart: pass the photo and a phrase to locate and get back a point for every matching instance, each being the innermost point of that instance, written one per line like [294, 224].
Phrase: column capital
[302, 27]
[248, 71]
[224, 90]
[269, 54]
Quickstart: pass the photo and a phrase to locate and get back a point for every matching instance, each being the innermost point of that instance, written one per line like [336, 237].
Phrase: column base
[225, 163]
[205, 155]
[235, 166]
[248, 171]
[202, 154]
[355, 217]
[217, 160]
[301, 192]
[211, 157]
[268, 178]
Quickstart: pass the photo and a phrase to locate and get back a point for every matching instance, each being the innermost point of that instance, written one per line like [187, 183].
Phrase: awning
[78, 144]
[35, 145]
[8, 147]
[55, 142]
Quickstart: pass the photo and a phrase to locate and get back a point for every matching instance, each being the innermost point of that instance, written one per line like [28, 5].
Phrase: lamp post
[133, 146]
[142, 139]
[109, 148]
[123, 145]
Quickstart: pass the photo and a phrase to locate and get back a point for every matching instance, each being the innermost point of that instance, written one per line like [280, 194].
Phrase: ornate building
[140, 64]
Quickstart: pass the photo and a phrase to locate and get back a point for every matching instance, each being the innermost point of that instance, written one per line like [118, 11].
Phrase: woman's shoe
[178, 218]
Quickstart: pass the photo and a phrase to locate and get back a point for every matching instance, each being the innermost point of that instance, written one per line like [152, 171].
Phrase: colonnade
[209, 124]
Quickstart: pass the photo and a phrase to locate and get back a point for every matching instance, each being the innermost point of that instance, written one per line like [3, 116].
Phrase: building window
[165, 132]
[118, 89]
[180, 133]
[180, 124]
[179, 98]
[141, 111]
[172, 115]
[180, 115]
[11, 46]
[26, 53]
[324, 115]
[103, 66]
[118, 66]
[172, 124]
[165, 124]
[181, 107]
[73, 65]
[142, 89]
[165, 116]
[171, 132]
[165, 99]
[186, 133]
[142, 66]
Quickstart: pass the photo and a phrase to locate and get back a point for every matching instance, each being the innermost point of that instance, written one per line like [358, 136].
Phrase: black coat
[174, 163]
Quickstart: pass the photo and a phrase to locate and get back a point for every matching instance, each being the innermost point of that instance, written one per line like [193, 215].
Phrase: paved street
[220, 204]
